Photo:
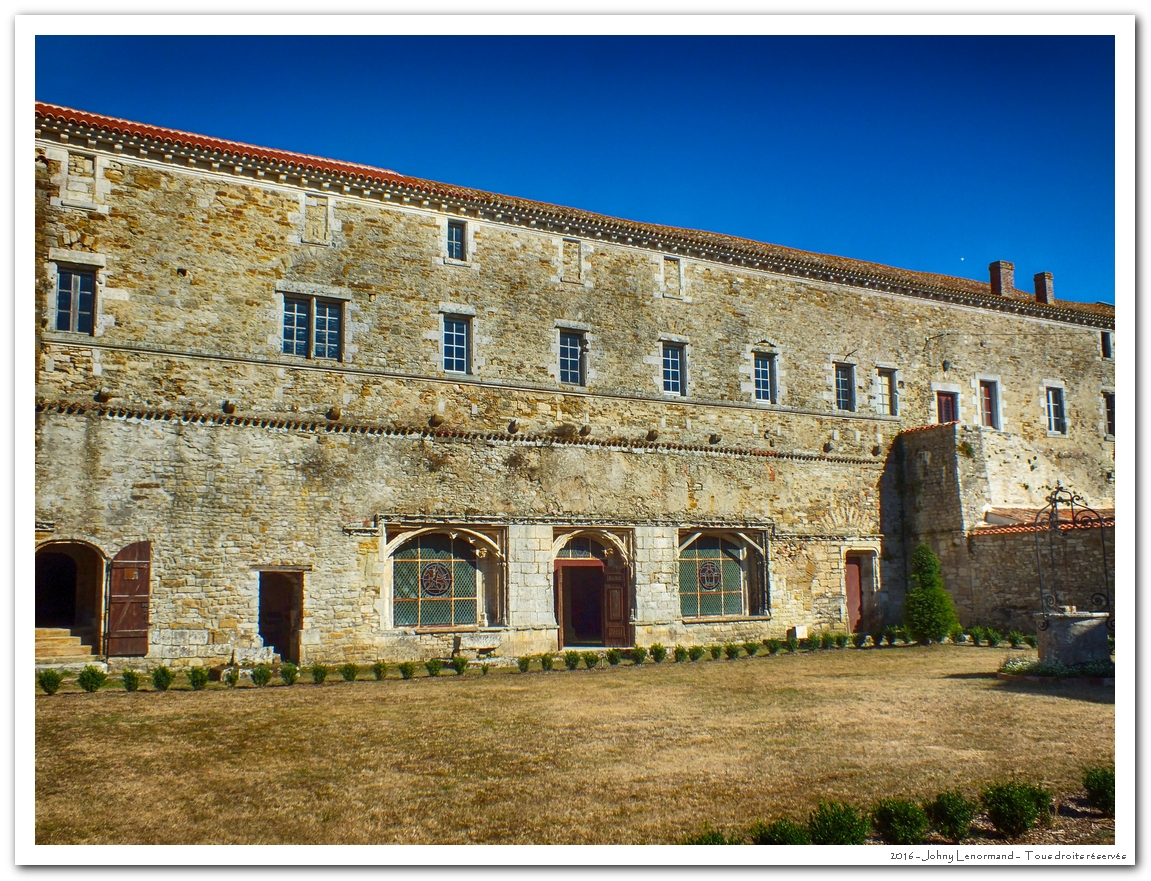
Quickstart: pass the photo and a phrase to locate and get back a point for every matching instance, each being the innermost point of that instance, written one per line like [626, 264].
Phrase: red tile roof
[1024, 527]
[799, 262]
[1026, 516]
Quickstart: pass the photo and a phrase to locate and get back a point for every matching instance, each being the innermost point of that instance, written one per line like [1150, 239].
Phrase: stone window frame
[771, 354]
[993, 379]
[948, 388]
[77, 261]
[1047, 387]
[468, 242]
[67, 198]
[669, 342]
[1107, 345]
[582, 358]
[890, 372]
[314, 294]
[753, 561]
[467, 315]
[851, 367]
[682, 277]
[1108, 423]
[579, 260]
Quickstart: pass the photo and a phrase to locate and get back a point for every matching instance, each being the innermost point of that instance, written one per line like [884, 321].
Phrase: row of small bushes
[1012, 807]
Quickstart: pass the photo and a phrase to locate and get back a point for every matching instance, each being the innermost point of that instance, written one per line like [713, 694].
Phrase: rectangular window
[989, 403]
[1056, 418]
[1107, 343]
[457, 344]
[765, 384]
[947, 407]
[457, 248]
[674, 377]
[1109, 406]
[888, 396]
[75, 300]
[312, 328]
[845, 387]
[572, 357]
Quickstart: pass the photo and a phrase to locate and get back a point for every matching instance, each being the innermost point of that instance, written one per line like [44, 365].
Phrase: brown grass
[621, 755]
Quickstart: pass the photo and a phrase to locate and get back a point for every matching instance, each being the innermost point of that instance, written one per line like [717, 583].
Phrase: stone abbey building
[288, 406]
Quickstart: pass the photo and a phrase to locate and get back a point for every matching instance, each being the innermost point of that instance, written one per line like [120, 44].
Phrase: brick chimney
[1044, 287]
[1002, 277]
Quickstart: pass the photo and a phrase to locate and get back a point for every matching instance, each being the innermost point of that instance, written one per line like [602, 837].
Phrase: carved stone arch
[603, 536]
[471, 536]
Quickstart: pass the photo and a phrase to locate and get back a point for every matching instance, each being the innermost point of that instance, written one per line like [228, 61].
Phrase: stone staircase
[58, 648]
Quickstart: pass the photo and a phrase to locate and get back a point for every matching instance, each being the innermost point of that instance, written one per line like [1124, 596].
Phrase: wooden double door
[592, 605]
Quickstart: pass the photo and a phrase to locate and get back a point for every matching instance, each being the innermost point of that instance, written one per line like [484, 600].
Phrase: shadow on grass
[970, 676]
[1078, 691]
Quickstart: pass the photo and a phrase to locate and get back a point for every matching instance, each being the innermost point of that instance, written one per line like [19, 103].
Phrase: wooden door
[128, 600]
[948, 407]
[615, 617]
[853, 577]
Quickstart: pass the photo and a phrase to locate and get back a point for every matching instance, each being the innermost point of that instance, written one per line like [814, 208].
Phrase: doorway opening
[591, 595]
[281, 613]
[859, 585]
[70, 590]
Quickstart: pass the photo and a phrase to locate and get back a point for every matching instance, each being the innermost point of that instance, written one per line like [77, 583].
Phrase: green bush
[261, 675]
[162, 678]
[951, 815]
[319, 673]
[975, 634]
[1013, 808]
[546, 661]
[877, 637]
[712, 836]
[349, 671]
[197, 677]
[590, 660]
[484, 669]
[1032, 641]
[433, 666]
[380, 670]
[898, 821]
[779, 832]
[459, 664]
[890, 634]
[131, 680]
[841, 640]
[571, 659]
[904, 636]
[289, 673]
[50, 681]
[956, 635]
[992, 636]
[680, 654]
[1100, 786]
[231, 677]
[658, 652]
[827, 640]
[814, 643]
[716, 651]
[751, 648]
[408, 669]
[834, 822]
[638, 654]
[523, 662]
[731, 650]
[792, 643]
[928, 613]
[1014, 638]
[858, 639]
[773, 646]
[90, 678]
[614, 656]
[696, 652]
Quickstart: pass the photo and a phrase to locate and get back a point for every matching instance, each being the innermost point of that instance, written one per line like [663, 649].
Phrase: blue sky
[938, 154]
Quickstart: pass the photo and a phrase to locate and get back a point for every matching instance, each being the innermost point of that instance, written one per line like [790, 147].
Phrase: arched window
[434, 579]
[721, 576]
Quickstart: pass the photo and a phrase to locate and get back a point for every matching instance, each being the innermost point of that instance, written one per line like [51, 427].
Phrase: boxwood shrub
[773, 646]
[1100, 786]
[91, 678]
[951, 815]
[433, 666]
[523, 662]
[779, 832]
[590, 660]
[380, 670]
[792, 643]
[638, 654]
[680, 654]
[658, 652]
[319, 673]
[731, 650]
[716, 651]
[349, 671]
[858, 639]
[1014, 807]
[827, 640]
[289, 673]
[898, 821]
[571, 659]
[614, 656]
[261, 675]
[751, 648]
[162, 678]
[712, 836]
[50, 680]
[408, 669]
[131, 680]
[459, 664]
[547, 661]
[696, 652]
[834, 822]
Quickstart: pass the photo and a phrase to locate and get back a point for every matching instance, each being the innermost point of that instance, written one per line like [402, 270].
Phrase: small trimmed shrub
[890, 634]
[1013, 808]
[571, 659]
[408, 669]
[261, 675]
[814, 643]
[1014, 638]
[792, 643]
[638, 654]
[680, 654]
[349, 671]
[858, 639]
[751, 648]
[975, 634]
[712, 836]
[90, 678]
[951, 815]
[1100, 786]
[877, 637]
[834, 822]
[50, 680]
[524, 662]
[956, 635]
[827, 640]
[484, 669]
[433, 666]
[546, 661]
[731, 650]
[1033, 641]
[992, 636]
[898, 821]
[131, 680]
[841, 640]
[716, 651]
[459, 664]
[614, 656]
[289, 673]
[928, 612]
[162, 678]
[380, 670]
[590, 660]
[658, 652]
[696, 652]
[779, 832]
[319, 673]
[904, 636]
[773, 646]
[231, 677]
[197, 677]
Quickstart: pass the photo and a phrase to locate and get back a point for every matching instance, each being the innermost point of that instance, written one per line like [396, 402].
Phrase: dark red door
[854, 571]
[948, 407]
[128, 600]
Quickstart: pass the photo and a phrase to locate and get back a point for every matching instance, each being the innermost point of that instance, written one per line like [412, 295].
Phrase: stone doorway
[281, 613]
[70, 592]
[591, 595]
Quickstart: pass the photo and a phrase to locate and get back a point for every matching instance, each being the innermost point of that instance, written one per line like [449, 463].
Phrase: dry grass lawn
[610, 756]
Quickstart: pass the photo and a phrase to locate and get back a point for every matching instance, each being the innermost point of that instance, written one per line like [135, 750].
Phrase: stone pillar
[1073, 637]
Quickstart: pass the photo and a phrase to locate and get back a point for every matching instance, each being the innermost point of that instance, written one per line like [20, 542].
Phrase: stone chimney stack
[1044, 287]
[1002, 277]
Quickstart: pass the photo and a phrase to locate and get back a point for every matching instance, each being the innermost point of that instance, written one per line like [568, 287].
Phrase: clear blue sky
[938, 154]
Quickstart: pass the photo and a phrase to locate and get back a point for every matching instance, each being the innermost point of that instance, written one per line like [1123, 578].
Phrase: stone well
[1072, 637]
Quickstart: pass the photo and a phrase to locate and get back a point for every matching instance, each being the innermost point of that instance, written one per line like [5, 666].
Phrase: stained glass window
[711, 578]
[434, 583]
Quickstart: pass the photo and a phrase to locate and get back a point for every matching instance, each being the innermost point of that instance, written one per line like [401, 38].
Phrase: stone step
[58, 641]
[69, 665]
[63, 651]
[50, 632]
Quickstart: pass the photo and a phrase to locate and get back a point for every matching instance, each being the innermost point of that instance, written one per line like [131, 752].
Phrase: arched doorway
[70, 590]
[591, 594]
